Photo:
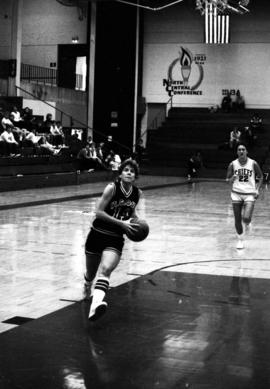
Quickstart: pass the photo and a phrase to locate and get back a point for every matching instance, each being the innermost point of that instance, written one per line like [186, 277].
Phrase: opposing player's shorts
[97, 242]
[242, 198]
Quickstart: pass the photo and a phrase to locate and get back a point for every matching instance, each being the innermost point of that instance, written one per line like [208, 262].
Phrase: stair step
[189, 129]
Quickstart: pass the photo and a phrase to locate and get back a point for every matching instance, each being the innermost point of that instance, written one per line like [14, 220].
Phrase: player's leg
[93, 250]
[237, 210]
[109, 261]
[92, 261]
[189, 172]
[247, 214]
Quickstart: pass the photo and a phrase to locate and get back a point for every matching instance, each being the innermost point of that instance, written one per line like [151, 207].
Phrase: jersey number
[243, 178]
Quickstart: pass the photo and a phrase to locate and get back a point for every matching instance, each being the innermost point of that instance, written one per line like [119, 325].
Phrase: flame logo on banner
[185, 62]
[186, 57]
[190, 68]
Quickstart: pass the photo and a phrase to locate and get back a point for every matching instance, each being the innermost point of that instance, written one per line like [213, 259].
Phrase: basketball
[140, 232]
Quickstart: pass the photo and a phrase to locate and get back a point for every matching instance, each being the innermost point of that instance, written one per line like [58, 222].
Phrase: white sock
[100, 289]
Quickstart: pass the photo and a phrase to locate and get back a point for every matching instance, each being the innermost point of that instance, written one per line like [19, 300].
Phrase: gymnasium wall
[5, 28]
[45, 24]
[69, 101]
[243, 64]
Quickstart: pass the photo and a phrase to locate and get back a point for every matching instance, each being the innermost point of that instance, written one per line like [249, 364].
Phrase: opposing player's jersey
[245, 181]
[121, 207]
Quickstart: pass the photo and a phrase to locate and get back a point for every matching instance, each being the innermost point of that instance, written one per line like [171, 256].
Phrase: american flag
[216, 25]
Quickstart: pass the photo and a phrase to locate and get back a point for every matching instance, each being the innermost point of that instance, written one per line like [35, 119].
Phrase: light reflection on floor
[192, 231]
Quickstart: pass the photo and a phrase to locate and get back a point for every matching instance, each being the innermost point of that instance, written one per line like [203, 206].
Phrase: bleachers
[30, 165]
[33, 166]
[36, 165]
[188, 129]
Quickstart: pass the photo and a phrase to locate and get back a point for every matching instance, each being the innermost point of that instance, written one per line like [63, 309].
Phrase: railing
[62, 113]
[39, 74]
[158, 118]
[160, 115]
[44, 75]
[79, 82]
[126, 150]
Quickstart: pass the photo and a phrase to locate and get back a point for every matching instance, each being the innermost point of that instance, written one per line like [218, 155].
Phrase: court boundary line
[205, 261]
[99, 193]
[80, 197]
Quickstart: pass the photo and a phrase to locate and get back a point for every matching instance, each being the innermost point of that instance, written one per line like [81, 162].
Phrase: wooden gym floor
[186, 309]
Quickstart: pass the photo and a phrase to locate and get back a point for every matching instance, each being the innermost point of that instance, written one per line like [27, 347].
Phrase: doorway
[72, 59]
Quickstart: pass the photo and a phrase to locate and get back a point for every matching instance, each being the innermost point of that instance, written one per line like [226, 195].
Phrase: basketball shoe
[240, 242]
[98, 310]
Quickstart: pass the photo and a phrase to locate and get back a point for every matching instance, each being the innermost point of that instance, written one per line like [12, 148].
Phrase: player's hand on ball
[139, 230]
[128, 226]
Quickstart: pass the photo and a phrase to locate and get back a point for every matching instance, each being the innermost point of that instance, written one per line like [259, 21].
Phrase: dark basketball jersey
[121, 207]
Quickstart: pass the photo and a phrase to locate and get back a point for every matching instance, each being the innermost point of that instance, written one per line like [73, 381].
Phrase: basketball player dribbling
[105, 241]
[246, 178]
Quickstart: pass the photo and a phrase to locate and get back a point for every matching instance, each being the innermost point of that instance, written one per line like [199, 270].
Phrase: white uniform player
[243, 173]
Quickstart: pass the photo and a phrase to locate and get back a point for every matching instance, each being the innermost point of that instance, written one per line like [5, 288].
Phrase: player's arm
[230, 174]
[134, 213]
[258, 175]
[102, 204]
[104, 200]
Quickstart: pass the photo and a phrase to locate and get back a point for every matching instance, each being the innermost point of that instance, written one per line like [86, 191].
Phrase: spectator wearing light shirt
[11, 145]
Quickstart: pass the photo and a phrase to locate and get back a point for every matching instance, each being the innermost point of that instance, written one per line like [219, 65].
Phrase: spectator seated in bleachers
[10, 145]
[226, 104]
[114, 164]
[248, 137]
[37, 127]
[194, 165]
[75, 145]
[89, 139]
[235, 137]
[7, 121]
[98, 161]
[86, 158]
[213, 108]
[18, 132]
[31, 139]
[108, 159]
[45, 147]
[256, 123]
[100, 153]
[108, 146]
[16, 118]
[57, 134]
[47, 124]
[27, 118]
[238, 102]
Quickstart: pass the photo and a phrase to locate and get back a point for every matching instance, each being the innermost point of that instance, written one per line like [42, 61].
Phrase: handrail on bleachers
[72, 120]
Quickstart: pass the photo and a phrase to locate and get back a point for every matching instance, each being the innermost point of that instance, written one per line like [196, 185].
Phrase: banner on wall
[185, 74]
